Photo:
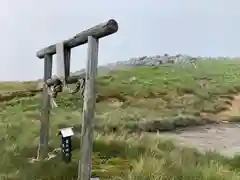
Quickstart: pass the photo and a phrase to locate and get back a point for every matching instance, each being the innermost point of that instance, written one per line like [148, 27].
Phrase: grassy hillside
[130, 102]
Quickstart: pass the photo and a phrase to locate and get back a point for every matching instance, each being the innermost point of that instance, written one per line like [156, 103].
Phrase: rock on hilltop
[140, 61]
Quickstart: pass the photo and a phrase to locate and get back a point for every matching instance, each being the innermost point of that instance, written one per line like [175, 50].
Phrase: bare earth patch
[114, 102]
[222, 138]
[232, 111]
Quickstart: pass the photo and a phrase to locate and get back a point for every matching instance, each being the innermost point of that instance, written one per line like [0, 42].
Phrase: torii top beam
[98, 31]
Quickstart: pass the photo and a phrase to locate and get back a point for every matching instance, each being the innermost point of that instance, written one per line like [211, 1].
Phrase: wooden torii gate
[63, 51]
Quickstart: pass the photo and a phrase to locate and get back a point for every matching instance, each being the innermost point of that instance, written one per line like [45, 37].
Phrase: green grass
[10, 86]
[160, 98]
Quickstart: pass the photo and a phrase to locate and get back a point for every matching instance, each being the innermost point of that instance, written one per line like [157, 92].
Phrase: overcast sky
[146, 27]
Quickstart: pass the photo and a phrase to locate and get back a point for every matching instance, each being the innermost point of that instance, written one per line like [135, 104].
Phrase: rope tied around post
[54, 90]
[54, 86]
[58, 87]
[80, 84]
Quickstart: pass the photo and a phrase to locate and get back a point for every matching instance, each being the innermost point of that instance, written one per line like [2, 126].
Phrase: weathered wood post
[63, 50]
[63, 61]
[85, 163]
[45, 113]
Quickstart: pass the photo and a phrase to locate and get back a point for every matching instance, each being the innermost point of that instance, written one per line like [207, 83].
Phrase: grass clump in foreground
[172, 94]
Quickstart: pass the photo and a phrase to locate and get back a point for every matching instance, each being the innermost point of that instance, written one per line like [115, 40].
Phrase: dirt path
[223, 138]
[232, 111]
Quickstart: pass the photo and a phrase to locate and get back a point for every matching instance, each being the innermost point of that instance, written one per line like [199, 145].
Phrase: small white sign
[95, 178]
[66, 132]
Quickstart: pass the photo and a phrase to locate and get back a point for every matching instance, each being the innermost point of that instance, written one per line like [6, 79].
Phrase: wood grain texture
[67, 59]
[63, 62]
[60, 62]
[85, 163]
[45, 113]
[101, 30]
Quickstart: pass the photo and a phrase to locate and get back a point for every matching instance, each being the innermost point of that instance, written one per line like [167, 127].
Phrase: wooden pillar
[60, 64]
[63, 61]
[85, 163]
[46, 109]
[67, 57]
